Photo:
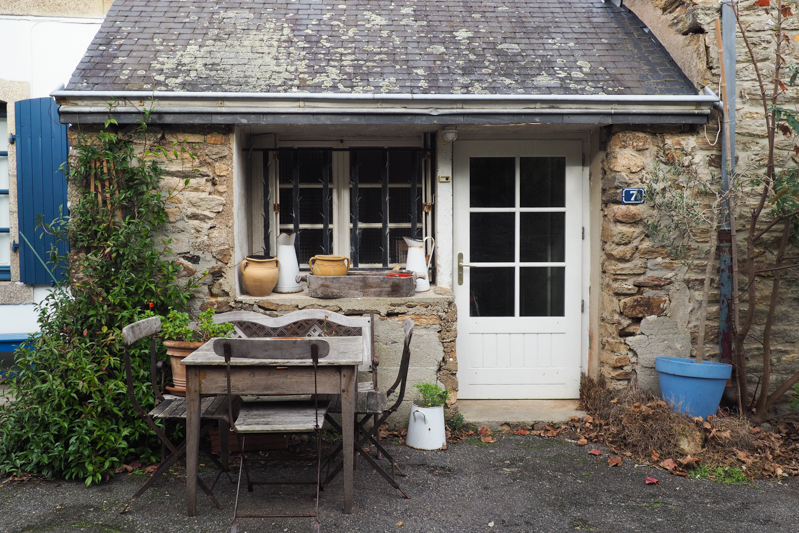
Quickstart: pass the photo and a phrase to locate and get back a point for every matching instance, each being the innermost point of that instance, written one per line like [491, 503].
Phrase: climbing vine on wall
[71, 417]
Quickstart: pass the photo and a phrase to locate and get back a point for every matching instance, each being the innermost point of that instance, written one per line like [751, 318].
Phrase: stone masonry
[201, 230]
[650, 303]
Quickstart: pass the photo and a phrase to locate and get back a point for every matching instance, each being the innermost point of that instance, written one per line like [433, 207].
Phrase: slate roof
[534, 47]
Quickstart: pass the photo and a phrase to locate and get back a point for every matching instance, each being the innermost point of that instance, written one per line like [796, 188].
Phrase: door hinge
[276, 208]
[582, 306]
[583, 232]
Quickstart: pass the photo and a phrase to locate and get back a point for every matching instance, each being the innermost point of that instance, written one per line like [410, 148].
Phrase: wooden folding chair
[371, 404]
[215, 410]
[276, 416]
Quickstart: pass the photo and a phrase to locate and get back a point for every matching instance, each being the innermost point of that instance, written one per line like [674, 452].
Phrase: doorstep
[494, 413]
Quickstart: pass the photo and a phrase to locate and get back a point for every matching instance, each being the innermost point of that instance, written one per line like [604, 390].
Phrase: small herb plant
[176, 326]
[432, 395]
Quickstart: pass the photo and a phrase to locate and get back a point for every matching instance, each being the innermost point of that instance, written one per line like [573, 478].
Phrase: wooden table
[337, 374]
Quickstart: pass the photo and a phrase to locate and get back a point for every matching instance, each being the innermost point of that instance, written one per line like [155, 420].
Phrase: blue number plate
[632, 195]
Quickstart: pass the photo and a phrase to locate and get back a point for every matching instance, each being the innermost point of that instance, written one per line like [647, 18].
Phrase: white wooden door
[517, 260]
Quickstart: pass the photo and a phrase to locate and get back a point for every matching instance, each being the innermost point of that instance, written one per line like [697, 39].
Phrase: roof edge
[622, 99]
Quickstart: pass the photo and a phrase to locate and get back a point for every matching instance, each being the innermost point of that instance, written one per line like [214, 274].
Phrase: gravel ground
[519, 483]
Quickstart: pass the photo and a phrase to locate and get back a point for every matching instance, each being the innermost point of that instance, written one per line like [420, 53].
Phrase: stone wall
[201, 229]
[650, 303]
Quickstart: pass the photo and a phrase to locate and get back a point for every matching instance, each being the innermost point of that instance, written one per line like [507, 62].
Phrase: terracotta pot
[329, 265]
[259, 274]
[177, 350]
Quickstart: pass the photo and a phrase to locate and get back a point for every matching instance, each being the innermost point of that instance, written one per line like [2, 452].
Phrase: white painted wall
[42, 51]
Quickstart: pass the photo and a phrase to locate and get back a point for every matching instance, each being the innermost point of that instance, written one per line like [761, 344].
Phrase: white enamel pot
[426, 428]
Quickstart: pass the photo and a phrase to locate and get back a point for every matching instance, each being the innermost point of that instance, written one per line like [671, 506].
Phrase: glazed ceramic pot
[329, 265]
[177, 350]
[259, 274]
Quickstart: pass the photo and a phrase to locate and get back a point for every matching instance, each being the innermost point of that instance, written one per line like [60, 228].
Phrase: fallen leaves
[652, 481]
[668, 464]
[595, 452]
[615, 461]
[485, 434]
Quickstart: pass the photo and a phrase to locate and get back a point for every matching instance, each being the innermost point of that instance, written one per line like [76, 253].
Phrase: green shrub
[71, 416]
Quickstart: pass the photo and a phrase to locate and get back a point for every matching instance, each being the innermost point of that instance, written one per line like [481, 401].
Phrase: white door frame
[555, 382]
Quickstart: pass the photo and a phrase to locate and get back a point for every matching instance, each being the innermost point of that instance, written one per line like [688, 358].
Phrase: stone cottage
[504, 130]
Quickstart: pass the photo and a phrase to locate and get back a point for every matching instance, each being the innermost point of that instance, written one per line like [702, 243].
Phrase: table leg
[348, 384]
[192, 436]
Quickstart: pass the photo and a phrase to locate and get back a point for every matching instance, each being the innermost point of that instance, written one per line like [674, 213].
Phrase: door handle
[461, 264]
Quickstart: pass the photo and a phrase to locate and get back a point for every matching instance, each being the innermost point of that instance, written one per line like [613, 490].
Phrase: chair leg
[377, 435]
[234, 526]
[163, 467]
[366, 436]
[388, 457]
[224, 442]
[166, 464]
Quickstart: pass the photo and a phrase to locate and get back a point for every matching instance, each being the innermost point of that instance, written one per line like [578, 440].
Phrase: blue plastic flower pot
[691, 388]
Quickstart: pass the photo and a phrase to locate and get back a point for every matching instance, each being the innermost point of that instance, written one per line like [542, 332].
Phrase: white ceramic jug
[417, 263]
[289, 268]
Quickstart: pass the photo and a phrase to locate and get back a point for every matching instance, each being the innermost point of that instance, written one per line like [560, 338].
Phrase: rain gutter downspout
[726, 252]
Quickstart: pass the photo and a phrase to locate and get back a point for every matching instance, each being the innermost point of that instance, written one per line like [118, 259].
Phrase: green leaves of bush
[72, 417]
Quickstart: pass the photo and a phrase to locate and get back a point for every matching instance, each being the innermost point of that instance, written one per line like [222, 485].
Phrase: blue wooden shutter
[42, 148]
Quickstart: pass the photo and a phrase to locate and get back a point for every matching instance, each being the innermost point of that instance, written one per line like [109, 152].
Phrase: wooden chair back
[306, 323]
[149, 327]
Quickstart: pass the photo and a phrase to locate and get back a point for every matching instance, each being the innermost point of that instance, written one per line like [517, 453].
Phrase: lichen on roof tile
[411, 46]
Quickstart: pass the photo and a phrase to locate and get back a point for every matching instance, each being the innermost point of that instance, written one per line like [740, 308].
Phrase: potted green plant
[426, 425]
[180, 338]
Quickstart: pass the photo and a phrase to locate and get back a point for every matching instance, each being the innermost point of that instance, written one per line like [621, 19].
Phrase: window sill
[281, 302]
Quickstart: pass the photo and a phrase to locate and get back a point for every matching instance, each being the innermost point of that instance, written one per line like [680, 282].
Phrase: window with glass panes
[354, 202]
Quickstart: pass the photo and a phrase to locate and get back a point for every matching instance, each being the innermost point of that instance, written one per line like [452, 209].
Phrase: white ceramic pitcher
[289, 268]
[417, 263]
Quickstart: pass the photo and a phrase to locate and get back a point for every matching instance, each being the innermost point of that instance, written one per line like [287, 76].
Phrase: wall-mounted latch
[14, 246]
[12, 139]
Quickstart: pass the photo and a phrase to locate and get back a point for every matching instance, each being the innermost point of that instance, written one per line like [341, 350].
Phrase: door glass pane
[491, 291]
[541, 291]
[542, 237]
[492, 237]
[492, 181]
[543, 181]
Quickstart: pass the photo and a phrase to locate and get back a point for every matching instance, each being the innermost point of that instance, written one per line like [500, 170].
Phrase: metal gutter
[606, 99]
[380, 111]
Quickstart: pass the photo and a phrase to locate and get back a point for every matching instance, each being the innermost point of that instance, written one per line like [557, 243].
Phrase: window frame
[340, 190]
[5, 231]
